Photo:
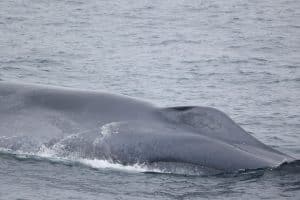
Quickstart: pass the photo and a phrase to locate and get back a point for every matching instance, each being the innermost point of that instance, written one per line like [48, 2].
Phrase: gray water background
[242, 57]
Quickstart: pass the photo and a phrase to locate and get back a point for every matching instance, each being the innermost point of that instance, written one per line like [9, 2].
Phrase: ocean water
[242, 57]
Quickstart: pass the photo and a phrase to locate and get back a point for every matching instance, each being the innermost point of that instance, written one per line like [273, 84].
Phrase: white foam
[105, 164]
[45, 152]
[51, 154]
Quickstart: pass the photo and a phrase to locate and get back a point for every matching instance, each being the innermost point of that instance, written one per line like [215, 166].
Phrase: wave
[98, 164]
[73, 161]
[156, 168]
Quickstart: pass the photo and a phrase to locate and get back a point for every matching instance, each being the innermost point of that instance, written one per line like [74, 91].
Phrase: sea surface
[242, 57]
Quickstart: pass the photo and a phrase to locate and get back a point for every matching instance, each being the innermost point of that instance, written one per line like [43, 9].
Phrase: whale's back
[124, 129]
[47, 111]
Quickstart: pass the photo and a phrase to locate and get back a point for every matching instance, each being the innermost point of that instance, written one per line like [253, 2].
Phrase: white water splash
[105, 164]
[106, 130]
[46, 153]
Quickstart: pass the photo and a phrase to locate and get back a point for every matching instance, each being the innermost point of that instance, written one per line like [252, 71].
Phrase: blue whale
[125, 130]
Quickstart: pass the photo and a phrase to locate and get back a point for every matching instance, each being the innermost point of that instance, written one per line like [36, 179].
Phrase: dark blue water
[241, 57]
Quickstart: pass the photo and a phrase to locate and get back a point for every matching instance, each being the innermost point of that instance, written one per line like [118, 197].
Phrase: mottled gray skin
[125, 130]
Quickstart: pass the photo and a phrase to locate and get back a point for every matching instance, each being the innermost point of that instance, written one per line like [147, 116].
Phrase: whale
[100, 125]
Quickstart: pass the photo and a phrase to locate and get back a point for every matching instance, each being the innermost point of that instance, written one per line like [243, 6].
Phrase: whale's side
[126, 130]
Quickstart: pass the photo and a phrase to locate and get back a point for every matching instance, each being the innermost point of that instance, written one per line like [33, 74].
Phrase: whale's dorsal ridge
[210, 122]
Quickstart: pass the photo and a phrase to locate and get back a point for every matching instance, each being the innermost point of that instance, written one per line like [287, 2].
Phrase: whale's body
[125, 130]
